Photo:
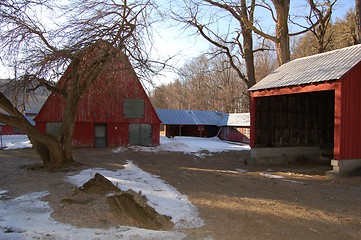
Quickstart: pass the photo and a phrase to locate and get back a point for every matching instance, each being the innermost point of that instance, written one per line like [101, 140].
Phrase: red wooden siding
[350, 137]
[347, 114]
[102, 103]
[9, 130]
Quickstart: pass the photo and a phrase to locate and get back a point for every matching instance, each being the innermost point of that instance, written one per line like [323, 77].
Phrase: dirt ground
[234, 204]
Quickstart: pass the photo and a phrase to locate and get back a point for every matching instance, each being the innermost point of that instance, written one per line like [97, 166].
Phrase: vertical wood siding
[350, 147]
[103, 103]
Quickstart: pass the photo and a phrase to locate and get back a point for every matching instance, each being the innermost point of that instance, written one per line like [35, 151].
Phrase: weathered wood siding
[103, 103]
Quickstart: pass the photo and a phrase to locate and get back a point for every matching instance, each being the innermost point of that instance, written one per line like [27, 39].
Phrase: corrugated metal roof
[236, 120]
[317, 68]
[190, 117]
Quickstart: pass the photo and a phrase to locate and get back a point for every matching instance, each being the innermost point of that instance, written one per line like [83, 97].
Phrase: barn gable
[114, 111]
[310, 106]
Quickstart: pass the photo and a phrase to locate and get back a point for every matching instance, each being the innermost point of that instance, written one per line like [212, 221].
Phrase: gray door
[100, 135]
[140, 134]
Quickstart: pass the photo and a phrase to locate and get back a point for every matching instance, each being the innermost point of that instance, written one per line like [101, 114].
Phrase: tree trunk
[248, 45]
[49, 150]
[282, 35]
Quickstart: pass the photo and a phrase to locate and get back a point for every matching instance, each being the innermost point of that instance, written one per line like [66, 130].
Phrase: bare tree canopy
[42, 37]
[339, 34]
[239, 29]
[204, 84]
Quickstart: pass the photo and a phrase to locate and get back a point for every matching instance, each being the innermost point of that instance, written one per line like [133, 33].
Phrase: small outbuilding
[310, 107]
[194, 123]
[114, 111]
[235, 127]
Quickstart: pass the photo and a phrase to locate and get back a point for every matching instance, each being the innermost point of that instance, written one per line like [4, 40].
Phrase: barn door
[140, 134]
[100, 135]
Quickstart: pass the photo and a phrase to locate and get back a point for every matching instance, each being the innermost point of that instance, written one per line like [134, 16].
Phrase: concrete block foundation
[284, 155]
[344, 167]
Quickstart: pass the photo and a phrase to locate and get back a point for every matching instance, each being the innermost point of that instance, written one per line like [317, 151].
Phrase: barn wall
[41, 126]
[103, 103]
[234, 134]
[155, 134]
[83, 135]
[117, 134]
[350, 146]
[8, 130]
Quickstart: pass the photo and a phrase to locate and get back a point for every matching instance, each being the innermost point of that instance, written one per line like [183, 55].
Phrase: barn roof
[190, 117]
[203, 117]
[236, 120]
[313, 69]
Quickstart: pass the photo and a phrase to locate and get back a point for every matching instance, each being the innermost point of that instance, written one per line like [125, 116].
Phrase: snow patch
[164, 198]
[10, 142]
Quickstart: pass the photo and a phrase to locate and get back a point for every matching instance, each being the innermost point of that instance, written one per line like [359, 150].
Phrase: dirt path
[234, 204]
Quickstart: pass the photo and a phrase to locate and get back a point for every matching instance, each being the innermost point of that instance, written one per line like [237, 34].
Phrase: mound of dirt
[135, 206]
[122, 208]
[99, 185]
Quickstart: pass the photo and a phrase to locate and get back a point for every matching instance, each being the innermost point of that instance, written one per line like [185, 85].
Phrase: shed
[308, 107]
[114, 111]
[195, 123]
[235, 127]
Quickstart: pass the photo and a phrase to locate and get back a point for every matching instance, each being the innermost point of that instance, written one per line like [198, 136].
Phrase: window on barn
[134, 108]
[53, 128]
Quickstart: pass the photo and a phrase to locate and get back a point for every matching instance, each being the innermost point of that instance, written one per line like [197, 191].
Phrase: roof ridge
[328, 52]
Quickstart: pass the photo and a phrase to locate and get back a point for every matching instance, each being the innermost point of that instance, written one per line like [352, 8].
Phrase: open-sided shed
[307, 107]
[195, 123]
[114, 111]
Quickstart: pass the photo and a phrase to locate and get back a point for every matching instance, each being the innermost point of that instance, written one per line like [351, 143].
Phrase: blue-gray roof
[322, 67]
[202, 117]
[189, 117]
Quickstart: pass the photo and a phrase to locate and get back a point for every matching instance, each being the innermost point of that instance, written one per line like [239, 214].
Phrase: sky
[185, 46]
[28, 216]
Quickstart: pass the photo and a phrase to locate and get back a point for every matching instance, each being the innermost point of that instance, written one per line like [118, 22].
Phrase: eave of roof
[329, 66]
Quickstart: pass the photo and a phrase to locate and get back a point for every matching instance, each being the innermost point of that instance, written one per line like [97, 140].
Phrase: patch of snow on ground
[268, 175]
[164, 198]
[9, 142]
[192, 145]
[28, 217]
[195, 144]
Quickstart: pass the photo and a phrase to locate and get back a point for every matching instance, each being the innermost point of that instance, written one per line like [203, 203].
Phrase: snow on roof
[190, 117]
[236, 120]
[322, 67]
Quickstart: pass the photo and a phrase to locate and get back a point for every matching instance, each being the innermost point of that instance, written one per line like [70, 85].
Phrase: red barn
[310, 107]
[114, 111]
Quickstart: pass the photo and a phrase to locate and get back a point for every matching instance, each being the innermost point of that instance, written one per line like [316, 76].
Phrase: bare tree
[204, 84]
[342, 33]
[43, 53]
[236, 39]
[236, 43]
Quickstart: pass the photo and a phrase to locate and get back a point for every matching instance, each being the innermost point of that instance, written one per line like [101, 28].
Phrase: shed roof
[190, 117]
[236, 120]
[317, 68]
